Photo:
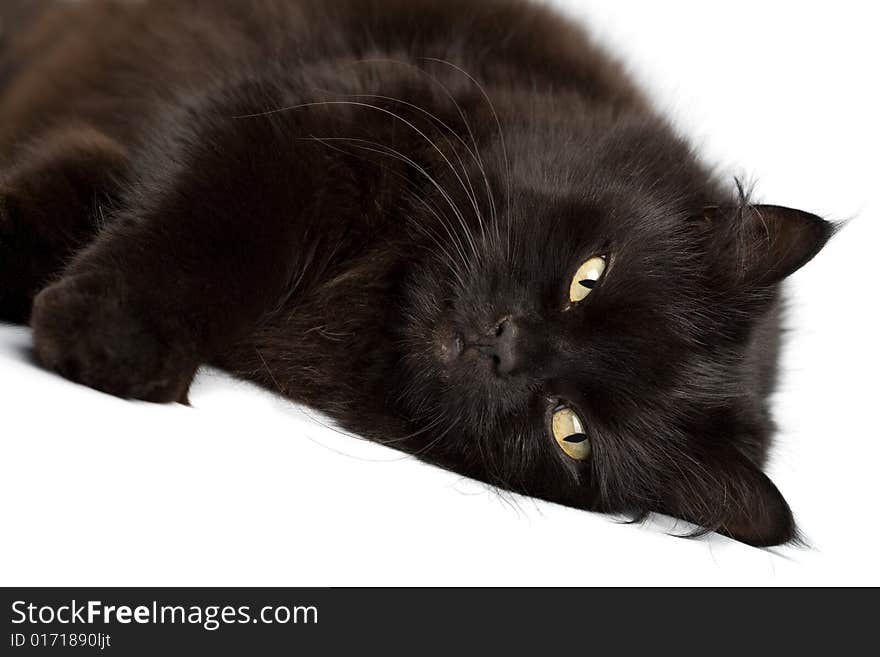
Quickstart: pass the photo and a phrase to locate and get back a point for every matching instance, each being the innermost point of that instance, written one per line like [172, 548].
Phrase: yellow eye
[585, 278]
[568, 430]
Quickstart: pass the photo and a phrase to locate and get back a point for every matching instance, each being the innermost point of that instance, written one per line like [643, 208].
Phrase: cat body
[376, 208]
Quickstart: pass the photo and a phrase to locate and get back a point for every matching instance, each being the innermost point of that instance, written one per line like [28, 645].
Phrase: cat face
[603, 339]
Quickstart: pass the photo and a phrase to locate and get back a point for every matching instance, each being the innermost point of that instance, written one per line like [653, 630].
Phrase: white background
[246, 489]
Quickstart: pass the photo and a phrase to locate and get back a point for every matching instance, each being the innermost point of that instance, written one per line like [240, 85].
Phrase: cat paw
[88, 330]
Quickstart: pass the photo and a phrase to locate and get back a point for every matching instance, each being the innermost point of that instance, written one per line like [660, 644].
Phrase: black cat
[455, 227]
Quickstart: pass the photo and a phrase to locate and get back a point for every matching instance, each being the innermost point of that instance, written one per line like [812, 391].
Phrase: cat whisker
[278, 386]
[500, 131]
[475, 153]
[388, 151]
[434, 442]
[406, 122]
[469, 190]
[393, 153]
[418, 432]
[450, 261]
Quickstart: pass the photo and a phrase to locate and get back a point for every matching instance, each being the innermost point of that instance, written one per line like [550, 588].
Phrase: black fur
[375, 207]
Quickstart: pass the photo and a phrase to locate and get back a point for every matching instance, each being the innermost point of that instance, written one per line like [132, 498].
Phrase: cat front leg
[139, 311]
[136, 313]
[203, 248]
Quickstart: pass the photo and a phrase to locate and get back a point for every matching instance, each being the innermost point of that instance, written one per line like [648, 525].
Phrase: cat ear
[762, 244]
[739, 501]
[758, 513]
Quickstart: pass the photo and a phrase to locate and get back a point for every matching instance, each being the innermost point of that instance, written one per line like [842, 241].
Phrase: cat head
[593, 320]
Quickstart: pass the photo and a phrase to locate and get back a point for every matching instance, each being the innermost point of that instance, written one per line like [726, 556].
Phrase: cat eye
[568, 430]
[586, 278]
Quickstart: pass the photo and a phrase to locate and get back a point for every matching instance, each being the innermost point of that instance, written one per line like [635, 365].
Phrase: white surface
[243, 489]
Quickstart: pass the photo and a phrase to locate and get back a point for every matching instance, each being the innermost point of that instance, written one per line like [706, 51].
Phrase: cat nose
[505, 349]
